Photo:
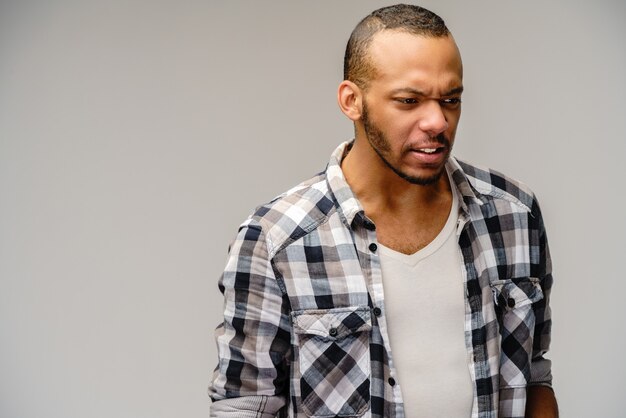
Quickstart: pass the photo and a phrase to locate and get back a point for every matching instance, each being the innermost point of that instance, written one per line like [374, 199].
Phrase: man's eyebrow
[456, 90]
[408, 90]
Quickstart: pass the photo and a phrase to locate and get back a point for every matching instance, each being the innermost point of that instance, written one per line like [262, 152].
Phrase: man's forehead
[398, 41]
[394, 52]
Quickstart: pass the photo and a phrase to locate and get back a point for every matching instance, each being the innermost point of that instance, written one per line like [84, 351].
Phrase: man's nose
[433, 121]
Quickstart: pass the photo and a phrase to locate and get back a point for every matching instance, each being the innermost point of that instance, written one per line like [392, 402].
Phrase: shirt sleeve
[253, 342]
[541, 367]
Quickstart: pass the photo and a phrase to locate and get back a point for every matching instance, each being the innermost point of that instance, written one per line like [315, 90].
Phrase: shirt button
[377, 311]
[392, 381]
[373, 247]
[510, 302]
[332, 332]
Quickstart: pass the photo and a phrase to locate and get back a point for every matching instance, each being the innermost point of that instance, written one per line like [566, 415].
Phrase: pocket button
[332, 332]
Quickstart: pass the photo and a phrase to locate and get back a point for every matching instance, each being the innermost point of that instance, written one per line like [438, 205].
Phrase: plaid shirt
[304, 330]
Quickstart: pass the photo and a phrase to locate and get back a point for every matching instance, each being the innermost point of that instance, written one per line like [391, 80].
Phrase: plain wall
[135, 136]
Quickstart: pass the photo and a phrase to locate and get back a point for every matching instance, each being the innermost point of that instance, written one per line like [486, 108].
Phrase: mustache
[442, 139]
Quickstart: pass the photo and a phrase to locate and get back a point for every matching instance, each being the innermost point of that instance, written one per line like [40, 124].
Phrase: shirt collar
[350, 207]
[467, 192]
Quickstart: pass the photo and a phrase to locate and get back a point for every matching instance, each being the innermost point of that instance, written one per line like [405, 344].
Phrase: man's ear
[350, 99]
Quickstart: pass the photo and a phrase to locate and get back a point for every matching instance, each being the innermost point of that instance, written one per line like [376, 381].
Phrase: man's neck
[408, 216]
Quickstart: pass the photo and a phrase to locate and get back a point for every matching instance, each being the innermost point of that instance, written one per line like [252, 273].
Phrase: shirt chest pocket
[334, 360]
[514, 299]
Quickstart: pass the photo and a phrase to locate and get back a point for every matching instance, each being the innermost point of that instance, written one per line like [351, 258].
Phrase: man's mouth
[429, 150]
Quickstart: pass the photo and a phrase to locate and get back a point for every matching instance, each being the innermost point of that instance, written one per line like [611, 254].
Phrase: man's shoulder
[493, 184]
[294, 213]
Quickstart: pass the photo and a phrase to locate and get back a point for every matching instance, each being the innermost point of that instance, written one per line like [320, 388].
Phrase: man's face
[411, 107]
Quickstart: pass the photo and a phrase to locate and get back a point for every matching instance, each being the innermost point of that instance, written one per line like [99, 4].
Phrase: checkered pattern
[301, 281]
[333, 347]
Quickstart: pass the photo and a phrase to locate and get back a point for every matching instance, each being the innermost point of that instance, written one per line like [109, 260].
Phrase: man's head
[402, 88]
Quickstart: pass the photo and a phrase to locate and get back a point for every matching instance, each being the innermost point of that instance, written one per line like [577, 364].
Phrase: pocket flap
[514, 293]
[332, 324]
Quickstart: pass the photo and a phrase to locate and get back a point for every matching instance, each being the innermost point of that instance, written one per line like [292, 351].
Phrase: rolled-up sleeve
[541, 367]
[253, 342]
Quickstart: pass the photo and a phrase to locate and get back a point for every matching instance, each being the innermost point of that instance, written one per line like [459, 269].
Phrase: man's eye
[407, 100]
[451, 102]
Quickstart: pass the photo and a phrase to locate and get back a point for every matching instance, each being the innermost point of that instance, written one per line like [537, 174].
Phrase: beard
[379, 142]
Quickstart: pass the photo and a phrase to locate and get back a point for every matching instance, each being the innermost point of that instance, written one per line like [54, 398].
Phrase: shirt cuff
[247, 407]
[541, 372]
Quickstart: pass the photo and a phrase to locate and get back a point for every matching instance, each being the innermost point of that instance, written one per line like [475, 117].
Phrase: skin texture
[411, 103]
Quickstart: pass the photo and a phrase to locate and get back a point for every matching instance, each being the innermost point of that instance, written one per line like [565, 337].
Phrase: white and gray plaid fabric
[304, 316]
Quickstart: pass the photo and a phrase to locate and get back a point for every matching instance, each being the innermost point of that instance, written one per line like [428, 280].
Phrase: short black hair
[357, 67]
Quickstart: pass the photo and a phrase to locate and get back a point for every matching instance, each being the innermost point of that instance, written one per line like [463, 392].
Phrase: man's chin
[426, 178]
[422, 180]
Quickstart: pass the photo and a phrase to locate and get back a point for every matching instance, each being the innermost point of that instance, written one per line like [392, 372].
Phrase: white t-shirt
[425, 310]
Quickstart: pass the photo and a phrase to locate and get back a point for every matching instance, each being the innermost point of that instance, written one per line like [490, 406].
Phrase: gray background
[136, 135]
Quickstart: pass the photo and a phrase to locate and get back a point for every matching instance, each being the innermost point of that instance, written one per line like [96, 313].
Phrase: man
[399, 282]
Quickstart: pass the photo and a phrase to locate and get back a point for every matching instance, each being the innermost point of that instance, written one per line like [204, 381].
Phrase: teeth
[428, 150]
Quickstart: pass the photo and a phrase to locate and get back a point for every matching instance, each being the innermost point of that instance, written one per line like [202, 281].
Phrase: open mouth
[430, 150]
